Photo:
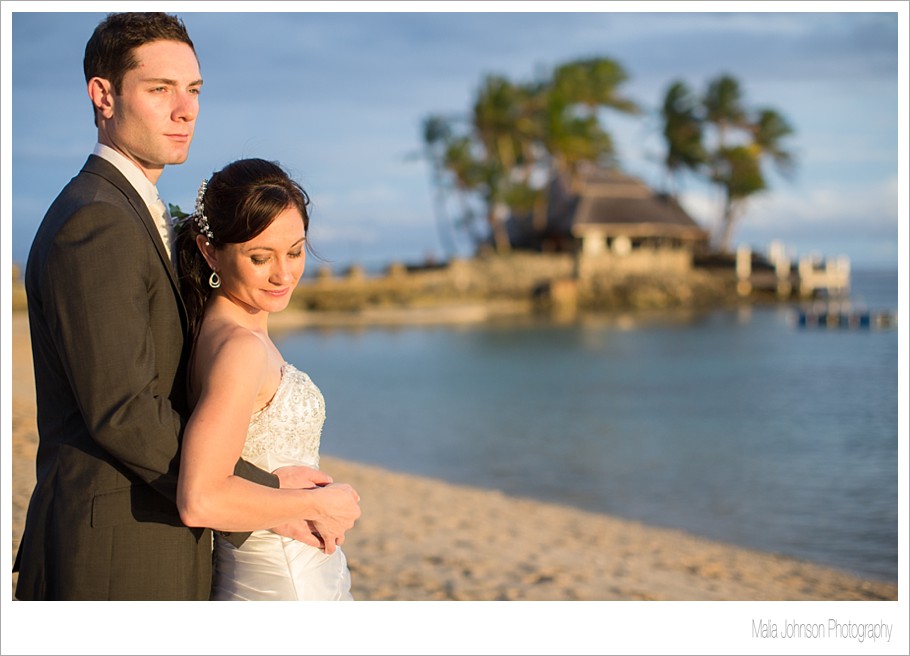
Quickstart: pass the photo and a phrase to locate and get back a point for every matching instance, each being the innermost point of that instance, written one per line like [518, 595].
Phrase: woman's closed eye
[259, 260]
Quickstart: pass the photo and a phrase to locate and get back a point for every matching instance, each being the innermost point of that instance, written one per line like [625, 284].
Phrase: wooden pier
[812, 276]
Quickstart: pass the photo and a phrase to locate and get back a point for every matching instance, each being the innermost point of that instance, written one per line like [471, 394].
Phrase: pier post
[743, 270]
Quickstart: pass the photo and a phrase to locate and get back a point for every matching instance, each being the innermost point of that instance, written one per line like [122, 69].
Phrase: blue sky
[338, 98]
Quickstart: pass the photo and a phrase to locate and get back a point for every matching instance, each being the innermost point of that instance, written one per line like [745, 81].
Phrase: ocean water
[736, 425]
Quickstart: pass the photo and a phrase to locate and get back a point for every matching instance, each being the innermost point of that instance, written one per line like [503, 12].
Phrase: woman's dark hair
[240, 201]
[110, 52]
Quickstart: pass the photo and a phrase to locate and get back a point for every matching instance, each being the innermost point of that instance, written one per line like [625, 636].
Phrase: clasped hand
[336, 511]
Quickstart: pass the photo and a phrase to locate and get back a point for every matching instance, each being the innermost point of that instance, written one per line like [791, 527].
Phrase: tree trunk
[727, 221]
[500, 235]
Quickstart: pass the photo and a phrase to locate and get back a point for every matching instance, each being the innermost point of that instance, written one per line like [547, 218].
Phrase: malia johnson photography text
[833, 629]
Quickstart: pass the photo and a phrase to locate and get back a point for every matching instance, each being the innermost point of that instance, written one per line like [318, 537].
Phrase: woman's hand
[340, 508]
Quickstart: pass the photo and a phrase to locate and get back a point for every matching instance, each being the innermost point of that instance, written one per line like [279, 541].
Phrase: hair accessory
[199, 216]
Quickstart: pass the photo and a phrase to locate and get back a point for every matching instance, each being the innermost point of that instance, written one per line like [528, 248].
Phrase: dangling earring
[214, 280]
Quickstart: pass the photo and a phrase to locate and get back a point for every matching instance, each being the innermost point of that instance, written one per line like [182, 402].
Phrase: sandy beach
[424, 540]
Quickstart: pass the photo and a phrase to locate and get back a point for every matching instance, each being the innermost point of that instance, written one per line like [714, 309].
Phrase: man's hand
[301, 477]
[302, 531]
[338, 507]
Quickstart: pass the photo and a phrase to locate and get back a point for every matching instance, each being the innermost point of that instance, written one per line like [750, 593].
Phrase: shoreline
[421, 539]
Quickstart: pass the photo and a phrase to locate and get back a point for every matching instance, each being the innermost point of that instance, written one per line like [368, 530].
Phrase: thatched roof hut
[607, 208]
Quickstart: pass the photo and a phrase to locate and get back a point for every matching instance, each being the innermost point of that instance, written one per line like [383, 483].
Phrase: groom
[108, 331]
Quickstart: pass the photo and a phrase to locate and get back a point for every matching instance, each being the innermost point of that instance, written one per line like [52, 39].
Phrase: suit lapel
[100, 166]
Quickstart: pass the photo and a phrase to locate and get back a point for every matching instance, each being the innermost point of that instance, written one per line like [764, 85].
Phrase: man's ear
[101, 95]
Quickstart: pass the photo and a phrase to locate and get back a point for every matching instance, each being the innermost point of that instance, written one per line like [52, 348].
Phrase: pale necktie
[165, 227]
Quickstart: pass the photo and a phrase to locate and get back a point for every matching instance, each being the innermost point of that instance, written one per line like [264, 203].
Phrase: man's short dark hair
[110, 52]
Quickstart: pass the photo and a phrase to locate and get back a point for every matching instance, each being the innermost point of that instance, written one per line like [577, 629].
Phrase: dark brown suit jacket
[108, 333]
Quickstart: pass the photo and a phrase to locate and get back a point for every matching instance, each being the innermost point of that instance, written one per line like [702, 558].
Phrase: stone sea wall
[544, 281]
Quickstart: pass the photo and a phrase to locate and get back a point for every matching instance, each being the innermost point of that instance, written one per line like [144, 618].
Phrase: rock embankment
[538, 281]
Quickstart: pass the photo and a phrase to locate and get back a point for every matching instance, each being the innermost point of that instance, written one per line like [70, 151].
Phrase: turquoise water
[735, 425]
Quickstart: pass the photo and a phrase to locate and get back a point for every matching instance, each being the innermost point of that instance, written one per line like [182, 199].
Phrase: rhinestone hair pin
[199, 216]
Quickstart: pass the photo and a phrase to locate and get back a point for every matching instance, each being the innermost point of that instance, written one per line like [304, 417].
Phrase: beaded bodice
[288, 429]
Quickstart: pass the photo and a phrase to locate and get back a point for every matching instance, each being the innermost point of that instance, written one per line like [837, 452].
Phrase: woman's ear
[208, 252]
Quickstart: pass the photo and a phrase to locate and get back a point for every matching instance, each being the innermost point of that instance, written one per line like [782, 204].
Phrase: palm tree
[594, 84]
[723, 107]
[682, 131]
[737, 170]
[720, 139]
[740, 173]
[769, 129]
[570, 139]
[505, 130]
[520, 133]
[436, 133]
[475, 173]
[500, 120]
[575, 96]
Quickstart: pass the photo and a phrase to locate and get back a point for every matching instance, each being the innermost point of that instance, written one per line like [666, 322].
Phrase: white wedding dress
[268, 566]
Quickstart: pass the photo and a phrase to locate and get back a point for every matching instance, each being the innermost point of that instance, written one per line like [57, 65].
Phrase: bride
[241, 254]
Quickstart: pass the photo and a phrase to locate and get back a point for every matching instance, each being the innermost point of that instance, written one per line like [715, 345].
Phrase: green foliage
[721, 140]
[738, 171]
[521, 136]
[593, 83]
[178, 217]
[176, 212]
[723, 104]
[768, 131]
[682, 129]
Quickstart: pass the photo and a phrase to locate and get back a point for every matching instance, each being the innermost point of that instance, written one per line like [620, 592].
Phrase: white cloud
[859, 220]
[845, 209]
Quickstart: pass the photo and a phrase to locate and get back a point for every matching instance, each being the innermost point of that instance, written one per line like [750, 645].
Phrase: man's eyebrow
[170, 82]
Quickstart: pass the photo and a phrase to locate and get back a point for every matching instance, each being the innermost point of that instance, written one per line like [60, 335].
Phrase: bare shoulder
[237, 350]
[241, 370]
[228, 352]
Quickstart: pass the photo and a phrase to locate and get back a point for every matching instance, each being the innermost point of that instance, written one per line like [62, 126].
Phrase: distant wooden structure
[613, 221]
[811, 276]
